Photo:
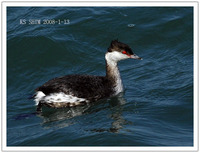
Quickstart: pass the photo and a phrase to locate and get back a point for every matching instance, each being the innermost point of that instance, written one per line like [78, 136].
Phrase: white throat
[113, 71]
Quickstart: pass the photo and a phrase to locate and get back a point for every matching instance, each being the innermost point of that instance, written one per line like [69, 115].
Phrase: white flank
[57, 98]
[39, 96]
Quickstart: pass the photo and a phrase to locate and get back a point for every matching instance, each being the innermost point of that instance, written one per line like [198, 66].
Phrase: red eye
[124, 52]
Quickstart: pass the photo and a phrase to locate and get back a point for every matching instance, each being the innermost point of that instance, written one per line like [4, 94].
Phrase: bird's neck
[113, 74]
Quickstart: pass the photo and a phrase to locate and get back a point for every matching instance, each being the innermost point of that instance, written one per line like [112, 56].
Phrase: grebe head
[119, 51]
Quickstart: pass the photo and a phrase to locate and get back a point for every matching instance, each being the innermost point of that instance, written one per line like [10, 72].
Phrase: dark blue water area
[156, 108]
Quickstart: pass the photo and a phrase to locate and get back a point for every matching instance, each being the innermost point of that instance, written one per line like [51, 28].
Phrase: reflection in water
[60, 118]
[116, 107]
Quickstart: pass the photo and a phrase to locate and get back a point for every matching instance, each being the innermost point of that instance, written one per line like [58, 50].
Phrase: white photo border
[81, 3]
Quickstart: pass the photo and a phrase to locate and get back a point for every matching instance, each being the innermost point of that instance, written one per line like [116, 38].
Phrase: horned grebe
[73, 90]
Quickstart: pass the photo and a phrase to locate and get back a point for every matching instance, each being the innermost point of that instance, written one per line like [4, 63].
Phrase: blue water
[156, 108]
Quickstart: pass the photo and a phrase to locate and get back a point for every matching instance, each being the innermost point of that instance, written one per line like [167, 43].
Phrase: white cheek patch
[115, 56]
[57, 98]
